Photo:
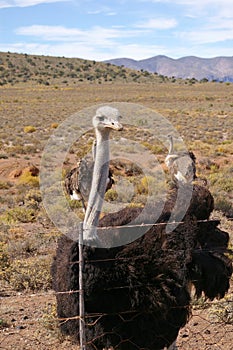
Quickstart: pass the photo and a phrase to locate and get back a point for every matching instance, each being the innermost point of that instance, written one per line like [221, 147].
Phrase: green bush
[5, 185]
[27, 179]
[29, 129]
[29, 274]
[224, 205]
[33, 199]
[4, 259]
[19, 214]
[111, 195]
[3, 156]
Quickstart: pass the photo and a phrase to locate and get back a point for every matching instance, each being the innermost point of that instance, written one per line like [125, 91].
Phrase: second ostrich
[78, 180]
[180, 164]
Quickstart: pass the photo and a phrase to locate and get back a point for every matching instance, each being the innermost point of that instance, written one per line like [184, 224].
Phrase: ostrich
[137, 296]
[78, 180]
[181, 164]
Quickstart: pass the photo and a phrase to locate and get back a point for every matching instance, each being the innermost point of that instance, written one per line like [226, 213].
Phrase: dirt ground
[31, 325]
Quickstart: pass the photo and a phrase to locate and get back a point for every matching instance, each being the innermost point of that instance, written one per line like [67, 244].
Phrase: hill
[218, 68]
[47, 70]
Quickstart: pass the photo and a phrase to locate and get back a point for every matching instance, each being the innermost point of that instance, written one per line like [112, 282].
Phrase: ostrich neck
[98, 186]
[171, 150]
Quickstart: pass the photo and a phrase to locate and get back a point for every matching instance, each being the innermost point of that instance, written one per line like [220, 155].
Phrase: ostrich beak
[113, 124]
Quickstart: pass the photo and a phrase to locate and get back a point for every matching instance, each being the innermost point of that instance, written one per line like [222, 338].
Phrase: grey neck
[171, 149]
[98, 187]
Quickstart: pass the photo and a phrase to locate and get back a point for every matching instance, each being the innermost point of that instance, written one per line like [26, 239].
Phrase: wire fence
[210, 326]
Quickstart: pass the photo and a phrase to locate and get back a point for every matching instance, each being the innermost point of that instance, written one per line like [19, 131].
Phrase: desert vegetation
[35, 97]
[41, 70]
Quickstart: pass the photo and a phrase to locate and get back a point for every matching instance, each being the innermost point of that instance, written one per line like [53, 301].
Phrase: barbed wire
[150, 224]
[96, 317]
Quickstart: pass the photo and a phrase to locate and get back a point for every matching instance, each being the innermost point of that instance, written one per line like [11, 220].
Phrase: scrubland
[30, 111]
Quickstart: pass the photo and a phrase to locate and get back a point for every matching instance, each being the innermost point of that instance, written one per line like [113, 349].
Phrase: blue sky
[104, 29]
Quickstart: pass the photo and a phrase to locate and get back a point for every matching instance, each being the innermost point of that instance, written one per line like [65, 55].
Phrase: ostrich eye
[101, 119]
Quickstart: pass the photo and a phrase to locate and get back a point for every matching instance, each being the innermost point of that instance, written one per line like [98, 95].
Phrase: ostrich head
[107, 118]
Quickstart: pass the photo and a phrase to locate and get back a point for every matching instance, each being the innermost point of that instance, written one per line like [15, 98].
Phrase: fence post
[81, 292]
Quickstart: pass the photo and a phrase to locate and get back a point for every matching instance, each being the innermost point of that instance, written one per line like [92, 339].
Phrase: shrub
[154, 148]
[223, 205]
[3, 156]
[3, 324]
[29, 274]
[18, 214]
[54, 125]
[29, 129]
[111, 195]
[49, 318]
[142, 187]
[33, 198]
[4, 259]
[5, 185]
[146, 184]
[27, 179]
[222, 311]
[225, 148]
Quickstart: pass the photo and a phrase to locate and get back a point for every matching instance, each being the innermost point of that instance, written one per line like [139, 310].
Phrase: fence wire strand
[201, 332]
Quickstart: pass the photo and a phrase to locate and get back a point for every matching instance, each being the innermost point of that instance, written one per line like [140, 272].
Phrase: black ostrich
[138, 296]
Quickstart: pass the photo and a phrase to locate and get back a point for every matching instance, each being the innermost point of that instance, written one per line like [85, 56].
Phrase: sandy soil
[30, 324]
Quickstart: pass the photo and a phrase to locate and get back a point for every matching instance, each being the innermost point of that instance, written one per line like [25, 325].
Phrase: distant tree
[204, 80]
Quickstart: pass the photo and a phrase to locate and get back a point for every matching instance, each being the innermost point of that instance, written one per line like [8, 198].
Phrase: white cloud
[214, 30]
[207, 36]
[95, 35]
[102, 11]
[193, 2]
[25, 3]
[218, 23]
[197, 7]
[50, 32]
[86, 51]
[158, 23]
[4, 4]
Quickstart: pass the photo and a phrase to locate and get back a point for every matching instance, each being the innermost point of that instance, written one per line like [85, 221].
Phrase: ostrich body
[180, 164]
[140, 292]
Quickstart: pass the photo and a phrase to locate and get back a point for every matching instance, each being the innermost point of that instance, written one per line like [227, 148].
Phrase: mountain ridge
[218, 68]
